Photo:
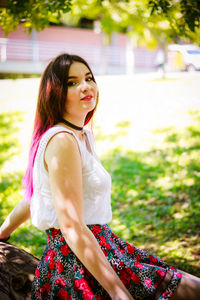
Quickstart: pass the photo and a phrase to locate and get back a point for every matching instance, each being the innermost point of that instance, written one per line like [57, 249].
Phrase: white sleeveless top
[96, 185]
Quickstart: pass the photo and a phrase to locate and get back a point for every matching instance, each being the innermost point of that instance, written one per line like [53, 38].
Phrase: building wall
[41, 47]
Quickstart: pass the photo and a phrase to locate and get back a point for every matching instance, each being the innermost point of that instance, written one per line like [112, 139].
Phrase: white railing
[103, 59]
[27, 50]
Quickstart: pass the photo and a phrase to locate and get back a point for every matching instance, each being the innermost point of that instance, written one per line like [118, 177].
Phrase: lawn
[147, 135]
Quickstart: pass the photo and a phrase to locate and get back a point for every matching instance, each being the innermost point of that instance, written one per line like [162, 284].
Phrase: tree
[188, 13]
[31, 14]
[182, 15]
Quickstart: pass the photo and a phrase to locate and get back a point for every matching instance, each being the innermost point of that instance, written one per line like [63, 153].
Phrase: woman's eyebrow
[72, 77]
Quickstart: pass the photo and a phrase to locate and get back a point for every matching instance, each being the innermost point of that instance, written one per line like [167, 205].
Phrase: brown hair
[51, 106]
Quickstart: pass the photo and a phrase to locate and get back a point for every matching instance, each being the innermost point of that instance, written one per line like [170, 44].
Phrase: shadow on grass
[155, 196]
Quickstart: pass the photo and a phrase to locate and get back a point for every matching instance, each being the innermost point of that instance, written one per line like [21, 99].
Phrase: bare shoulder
[60, 145]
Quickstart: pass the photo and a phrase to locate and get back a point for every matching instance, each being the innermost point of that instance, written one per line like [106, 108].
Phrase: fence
[103, 59]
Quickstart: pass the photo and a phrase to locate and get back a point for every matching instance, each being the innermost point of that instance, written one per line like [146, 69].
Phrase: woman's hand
[3, 238]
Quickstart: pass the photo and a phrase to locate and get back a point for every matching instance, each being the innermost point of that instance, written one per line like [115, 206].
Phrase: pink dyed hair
[50, 108]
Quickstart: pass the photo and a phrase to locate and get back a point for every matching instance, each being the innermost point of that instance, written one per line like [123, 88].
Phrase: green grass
[26, 237]
[155, 196]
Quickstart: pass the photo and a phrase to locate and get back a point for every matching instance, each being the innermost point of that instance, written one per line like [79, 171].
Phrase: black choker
[71, 125]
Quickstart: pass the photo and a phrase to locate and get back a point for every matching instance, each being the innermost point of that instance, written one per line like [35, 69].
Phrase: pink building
[21, 52]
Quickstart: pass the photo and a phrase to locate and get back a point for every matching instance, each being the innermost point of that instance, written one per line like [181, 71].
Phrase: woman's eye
[89, 79]
[71, 83]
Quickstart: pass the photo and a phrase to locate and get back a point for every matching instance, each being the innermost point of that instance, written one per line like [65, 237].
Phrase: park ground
[147, 134]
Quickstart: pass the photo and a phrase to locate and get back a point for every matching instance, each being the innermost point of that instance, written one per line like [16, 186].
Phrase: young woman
[68, 196]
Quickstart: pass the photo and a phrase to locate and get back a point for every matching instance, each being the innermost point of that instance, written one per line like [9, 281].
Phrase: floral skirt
[61, 275]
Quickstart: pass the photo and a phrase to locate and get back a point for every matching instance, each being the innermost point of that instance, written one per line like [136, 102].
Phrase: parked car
[184, 57]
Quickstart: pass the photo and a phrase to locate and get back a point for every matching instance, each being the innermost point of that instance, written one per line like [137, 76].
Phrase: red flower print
[160, 273]
[82, 285]
[63, 295]
[49, 255]
[55, 232]
[126, 282]
[42, 290]
[103, 240]
[130, 249]
[157, 283]
[178, 275]
[121, 263]
[49, 275]
[138, 265]
[82, 271]
[128, 271]
[61, 282]
[37, 273]
[59, 267]
[138, 257]
[135, 278]
[51, 264]
[148, 282]
[125, 276]
[96, 229]
[62, 239]
[153, 260]
[48, 237]
[55, 253]
[64, 250]
[105, 252]
[121, 249]
[87, 295]
[107, 245]
[45, 288]
[104, 243]
[172, 268]
[164, 294]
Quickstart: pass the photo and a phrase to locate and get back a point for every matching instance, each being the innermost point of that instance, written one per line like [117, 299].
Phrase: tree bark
[17, 268]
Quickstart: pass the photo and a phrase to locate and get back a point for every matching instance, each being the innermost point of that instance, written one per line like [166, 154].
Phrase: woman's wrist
[4, 239]
[3, 236]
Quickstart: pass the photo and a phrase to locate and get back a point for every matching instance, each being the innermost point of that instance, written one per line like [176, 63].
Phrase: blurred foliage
[146, 19]
[155, 194]
[189, 12]
[31, 14]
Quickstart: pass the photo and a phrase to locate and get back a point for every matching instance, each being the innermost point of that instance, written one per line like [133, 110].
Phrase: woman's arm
[63, 162]
[18, 215]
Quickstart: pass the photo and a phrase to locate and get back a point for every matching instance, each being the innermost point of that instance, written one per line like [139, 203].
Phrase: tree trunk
[17, 269]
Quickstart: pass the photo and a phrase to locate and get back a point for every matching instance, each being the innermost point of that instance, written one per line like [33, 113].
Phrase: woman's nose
[84, 86]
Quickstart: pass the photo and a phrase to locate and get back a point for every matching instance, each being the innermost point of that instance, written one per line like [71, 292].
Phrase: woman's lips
[87, 98]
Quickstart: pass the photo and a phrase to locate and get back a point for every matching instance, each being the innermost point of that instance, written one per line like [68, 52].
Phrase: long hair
[50, 107]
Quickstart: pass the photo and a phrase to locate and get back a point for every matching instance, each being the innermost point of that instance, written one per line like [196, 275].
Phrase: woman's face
[81, 94]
